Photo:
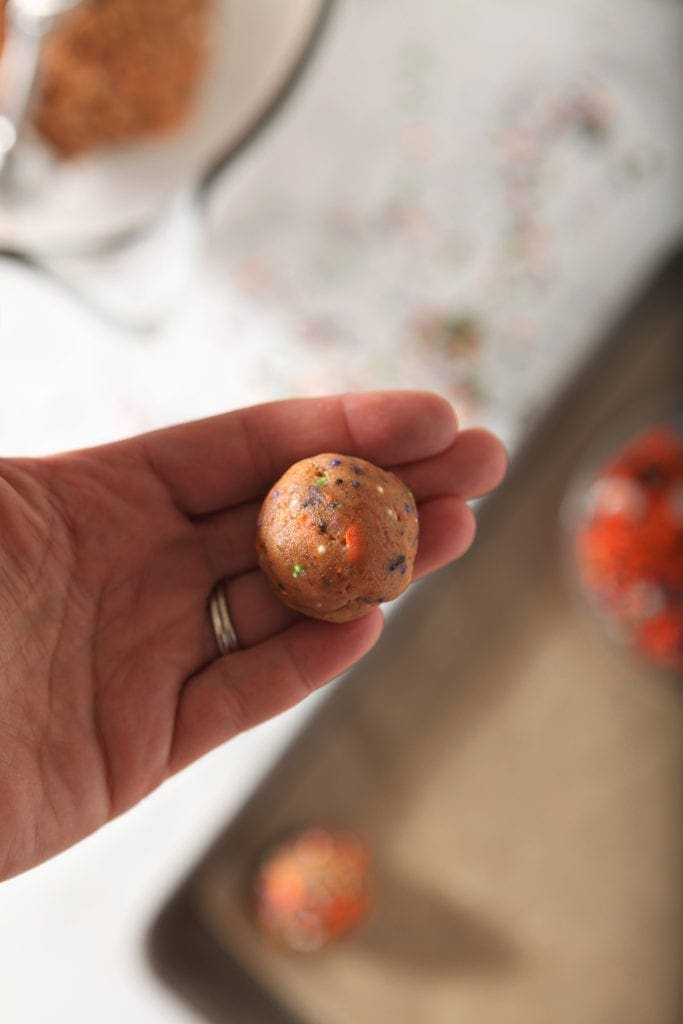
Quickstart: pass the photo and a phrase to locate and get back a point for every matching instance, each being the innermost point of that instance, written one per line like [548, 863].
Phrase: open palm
[110, 680]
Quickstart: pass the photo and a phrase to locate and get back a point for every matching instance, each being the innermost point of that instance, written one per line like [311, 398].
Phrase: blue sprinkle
[407, 507]
[404, 570]
[357, 470]
[276, 494]
[336, 462]
[355, 483]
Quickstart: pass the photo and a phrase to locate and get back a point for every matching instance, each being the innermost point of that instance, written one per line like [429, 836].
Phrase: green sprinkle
[298, 570]
[319, 481]
[411, 495]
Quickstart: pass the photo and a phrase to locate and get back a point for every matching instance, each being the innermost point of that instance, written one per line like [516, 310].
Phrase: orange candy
[311, 889]
[629, 544]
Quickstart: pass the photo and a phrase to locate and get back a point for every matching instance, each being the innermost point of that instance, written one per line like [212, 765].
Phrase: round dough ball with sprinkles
[337, 535]
[311, 888]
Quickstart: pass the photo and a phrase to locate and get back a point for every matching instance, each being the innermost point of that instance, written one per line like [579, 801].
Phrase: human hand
[110, 680]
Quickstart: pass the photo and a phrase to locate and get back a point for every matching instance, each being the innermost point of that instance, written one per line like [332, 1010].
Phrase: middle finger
[474, 464]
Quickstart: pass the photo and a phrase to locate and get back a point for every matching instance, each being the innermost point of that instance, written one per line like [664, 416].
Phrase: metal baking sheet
[517, 777]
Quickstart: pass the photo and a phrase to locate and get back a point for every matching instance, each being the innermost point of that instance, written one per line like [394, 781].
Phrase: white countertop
[514, 167]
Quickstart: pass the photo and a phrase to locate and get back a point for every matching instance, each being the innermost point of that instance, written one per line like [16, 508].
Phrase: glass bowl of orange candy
[626, 528]
[311, 888]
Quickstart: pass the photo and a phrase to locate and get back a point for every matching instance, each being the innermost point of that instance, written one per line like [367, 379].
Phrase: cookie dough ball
[311, 888]
[337, 535]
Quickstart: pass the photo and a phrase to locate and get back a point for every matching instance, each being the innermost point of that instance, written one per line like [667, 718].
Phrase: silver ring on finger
[219, 613]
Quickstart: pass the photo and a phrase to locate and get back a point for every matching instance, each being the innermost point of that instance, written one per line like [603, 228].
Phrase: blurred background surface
[457, 195]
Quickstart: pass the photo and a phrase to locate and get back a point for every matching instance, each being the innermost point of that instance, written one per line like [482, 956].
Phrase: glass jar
[624, 524]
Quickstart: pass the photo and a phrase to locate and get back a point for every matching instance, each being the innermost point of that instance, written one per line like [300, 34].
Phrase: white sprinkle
[293, 501]
[322, 549]
[380, 488]
[392, 513]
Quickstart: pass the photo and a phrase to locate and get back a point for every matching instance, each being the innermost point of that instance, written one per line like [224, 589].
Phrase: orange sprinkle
[355, 542]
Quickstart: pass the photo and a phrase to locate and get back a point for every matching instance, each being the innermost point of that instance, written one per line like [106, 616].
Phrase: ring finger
[255, 613]
[446, 532]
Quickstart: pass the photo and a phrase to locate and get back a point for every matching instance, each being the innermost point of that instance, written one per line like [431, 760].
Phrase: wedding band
[224, 631]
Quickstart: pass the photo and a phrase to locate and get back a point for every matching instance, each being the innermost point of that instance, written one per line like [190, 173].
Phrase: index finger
[229, 459]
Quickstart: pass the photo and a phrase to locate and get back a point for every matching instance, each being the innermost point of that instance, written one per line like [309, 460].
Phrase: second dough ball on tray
[337, 535]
